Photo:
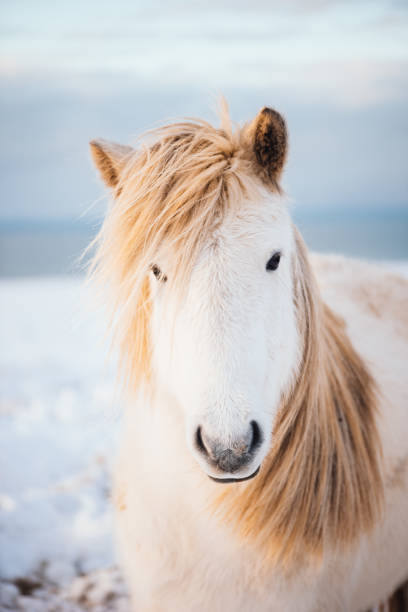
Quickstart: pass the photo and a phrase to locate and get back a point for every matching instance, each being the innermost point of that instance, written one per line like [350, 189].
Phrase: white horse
[264, 459]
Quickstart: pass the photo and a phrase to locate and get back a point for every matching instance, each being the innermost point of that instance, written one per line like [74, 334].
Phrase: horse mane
[173, 190]
[321, 484]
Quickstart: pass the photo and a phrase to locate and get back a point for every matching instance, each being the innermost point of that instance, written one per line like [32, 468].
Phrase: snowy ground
[58, 424]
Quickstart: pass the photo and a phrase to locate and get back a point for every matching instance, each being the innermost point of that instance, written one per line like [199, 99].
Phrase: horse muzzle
[230, 462]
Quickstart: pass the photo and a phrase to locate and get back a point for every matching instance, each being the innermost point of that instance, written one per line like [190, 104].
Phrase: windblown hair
[321, 485]
[173, 192]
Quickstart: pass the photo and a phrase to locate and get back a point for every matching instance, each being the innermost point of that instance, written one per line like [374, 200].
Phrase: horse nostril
[257, 437]
[199, 442]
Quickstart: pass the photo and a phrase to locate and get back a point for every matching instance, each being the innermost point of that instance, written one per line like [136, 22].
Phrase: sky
[78, 70]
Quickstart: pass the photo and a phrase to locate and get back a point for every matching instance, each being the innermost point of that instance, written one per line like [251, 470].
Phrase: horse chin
[230, 480]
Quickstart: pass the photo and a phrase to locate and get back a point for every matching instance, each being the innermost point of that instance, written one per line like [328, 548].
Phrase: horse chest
[183, 561]
[175, 553]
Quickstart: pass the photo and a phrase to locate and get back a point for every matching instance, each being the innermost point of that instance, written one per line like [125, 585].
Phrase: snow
[58, 424]
[59, 418]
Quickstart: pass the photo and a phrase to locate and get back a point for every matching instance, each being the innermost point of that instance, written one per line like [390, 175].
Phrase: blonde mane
[321, 484]
[173, 191]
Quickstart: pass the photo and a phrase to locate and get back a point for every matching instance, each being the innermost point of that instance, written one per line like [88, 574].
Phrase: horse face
[228, 349]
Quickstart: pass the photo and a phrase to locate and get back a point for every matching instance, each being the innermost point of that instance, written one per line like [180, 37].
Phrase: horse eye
[273, 262]
[158, 273]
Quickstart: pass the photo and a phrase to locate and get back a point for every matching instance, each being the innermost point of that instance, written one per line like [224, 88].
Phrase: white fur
[222, 357]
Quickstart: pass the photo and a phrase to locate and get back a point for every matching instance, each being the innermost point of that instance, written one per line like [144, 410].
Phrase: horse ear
[269, 141]
[110, 159]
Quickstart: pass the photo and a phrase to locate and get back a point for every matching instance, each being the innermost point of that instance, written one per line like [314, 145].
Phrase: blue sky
[73, 71]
